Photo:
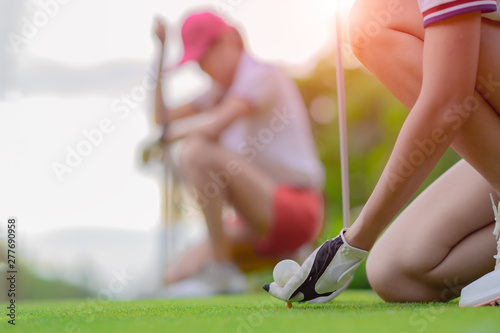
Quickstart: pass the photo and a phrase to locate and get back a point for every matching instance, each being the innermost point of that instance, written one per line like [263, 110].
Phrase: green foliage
[30, 286]
[374, 119]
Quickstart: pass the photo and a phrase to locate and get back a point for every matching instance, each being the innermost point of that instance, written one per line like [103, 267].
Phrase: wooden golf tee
[289, 305]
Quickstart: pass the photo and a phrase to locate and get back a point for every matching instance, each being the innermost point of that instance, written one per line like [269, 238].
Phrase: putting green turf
[352, 311]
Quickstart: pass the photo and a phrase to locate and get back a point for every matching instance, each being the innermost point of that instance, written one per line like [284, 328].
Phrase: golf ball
[284, 270]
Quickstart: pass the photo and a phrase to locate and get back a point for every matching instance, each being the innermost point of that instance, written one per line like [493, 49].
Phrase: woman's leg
[443, 239]
[192, 261]
[389, 42]
[189, 263]
[441, 242]
[217, 174]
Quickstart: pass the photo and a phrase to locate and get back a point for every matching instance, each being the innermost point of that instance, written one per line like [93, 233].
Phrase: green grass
[353, 311]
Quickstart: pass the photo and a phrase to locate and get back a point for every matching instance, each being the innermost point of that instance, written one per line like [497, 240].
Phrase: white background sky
[89, 54]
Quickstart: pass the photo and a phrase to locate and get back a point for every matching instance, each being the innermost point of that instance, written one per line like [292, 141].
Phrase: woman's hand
[324, 274]
[160, 31]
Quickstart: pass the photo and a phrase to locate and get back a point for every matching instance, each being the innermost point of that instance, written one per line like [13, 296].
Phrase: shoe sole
[495, 301]
[482, 292]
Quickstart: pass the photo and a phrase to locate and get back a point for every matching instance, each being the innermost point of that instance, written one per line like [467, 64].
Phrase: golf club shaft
[344, 162]
[169, 182]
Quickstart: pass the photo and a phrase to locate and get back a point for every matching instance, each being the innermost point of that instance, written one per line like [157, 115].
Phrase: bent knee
[373, 22]
[368, 21]
[195, 153]
[383, 276]
[395, 281]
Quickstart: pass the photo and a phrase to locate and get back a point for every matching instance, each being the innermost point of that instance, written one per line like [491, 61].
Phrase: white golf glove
[324, 274]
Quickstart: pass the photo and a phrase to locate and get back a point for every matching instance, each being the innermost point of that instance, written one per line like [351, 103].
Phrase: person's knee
[369, 23]
[195, 153]
[382, 276]
[363, 29]
[395, 281]
[388, 275]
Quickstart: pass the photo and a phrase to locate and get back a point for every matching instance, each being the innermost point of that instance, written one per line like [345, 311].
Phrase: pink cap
[199, 31]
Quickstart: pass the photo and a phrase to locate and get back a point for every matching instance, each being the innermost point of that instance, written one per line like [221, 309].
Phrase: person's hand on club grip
[323, 275]
[160, 31]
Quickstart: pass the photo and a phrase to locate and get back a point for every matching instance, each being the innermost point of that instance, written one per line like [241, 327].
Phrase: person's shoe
[485, 290]
[213, 279]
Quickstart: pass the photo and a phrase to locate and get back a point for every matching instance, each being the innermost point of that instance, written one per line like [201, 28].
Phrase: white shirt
[276, 136]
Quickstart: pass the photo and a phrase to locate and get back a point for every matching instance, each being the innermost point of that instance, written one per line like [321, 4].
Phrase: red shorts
[298, 218]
